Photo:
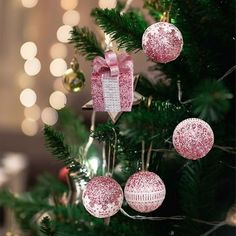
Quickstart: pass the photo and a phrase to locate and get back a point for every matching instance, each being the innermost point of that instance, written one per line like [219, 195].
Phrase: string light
[58, 67]
[107, 4]
[28, 97]
[28, 50]
[57, 100]
[29, 3]
[63, 33]
[32, 67]
[69, 4]
[32, 113]
[49, 116]
[29, 127]
[71, 18]
[58, 50]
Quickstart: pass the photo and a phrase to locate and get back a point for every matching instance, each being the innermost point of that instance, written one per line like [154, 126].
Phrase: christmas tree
[172, 155]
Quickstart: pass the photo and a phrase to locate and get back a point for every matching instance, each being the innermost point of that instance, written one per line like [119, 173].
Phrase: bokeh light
[69, 4]
[28, 50]
[32, 67]
[57, 100]
[107, 4]
[71, 18]
[63, 33]
[29, 127]
[32, 113]
[29, 3]
[58, 67]
[49, 116]
[58, 50]
[28, 97]
[25, 81]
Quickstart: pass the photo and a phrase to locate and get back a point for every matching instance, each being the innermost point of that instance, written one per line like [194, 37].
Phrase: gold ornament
[73, 79]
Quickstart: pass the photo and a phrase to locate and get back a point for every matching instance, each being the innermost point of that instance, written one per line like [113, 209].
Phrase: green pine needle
[126, 29]
[86, 43]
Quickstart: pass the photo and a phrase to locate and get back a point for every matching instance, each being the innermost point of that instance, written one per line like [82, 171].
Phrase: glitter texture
[144, 191]
[162, 42]
[193, 138]
[102, 70]
[102, 197]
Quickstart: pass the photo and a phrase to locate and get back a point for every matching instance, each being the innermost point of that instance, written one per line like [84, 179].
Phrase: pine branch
[86, 43]
[62, 151]
[126, 29]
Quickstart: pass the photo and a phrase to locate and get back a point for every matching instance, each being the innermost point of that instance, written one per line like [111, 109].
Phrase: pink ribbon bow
[116, 64]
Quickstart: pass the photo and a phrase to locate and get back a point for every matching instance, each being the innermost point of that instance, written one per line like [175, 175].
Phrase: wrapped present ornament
[112, 82]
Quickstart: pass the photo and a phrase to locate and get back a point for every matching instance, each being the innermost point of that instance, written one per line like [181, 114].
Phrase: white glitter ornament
[193, 138]
[144, 191]
[102, 197]
[162, 42]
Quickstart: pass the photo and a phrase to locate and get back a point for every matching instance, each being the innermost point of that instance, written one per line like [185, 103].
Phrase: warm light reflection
[71, 18]
[29, 127]
[57, 100]
[63, 33]
[49, 116]
[58, 67]
[29, 3]
[58, 50]
[28, 97]
[32, 113]
[107, 4]
[69, 4]
[32, 67]
[28, 50]
[25, 81]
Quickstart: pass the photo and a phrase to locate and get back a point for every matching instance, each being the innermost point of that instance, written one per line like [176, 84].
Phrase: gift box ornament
[112, 82]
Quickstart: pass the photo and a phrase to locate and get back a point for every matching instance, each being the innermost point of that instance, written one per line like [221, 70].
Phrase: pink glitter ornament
[144, 191]
[112, 82]
[102, 197]
[162, 42]
[193, 138]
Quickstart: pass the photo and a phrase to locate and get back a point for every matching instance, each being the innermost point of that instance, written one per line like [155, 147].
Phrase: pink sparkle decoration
[162, 42]
[193, 138]
[144, 191]
[102, 197]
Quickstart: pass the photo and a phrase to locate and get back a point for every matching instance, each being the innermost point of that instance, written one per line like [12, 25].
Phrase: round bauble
[102, 197]
[193, 138]
[63, 172]
[73, 81]
[144, 191]
[162, 42]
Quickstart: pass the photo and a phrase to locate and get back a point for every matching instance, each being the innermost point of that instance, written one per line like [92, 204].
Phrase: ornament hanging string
[109, 159]
[149, 156]
[142, 155]
[114, 152]
[103, 158]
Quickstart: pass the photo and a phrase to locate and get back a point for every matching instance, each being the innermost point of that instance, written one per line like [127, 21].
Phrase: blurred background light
[28, 50]
[29, 127]
[63, 33]
[69, 4]
[32, 113]
[32, 67]
[57, 100]
[58, 50]
[28, 97]
[49, 116]
[71, 18]
[29, 3]
[58, 67]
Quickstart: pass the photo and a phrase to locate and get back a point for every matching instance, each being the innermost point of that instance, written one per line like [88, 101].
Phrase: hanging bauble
[102, 197]
[144, 191]
[73, 79]
[193, 138]
[63, 172]
[162, 42]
